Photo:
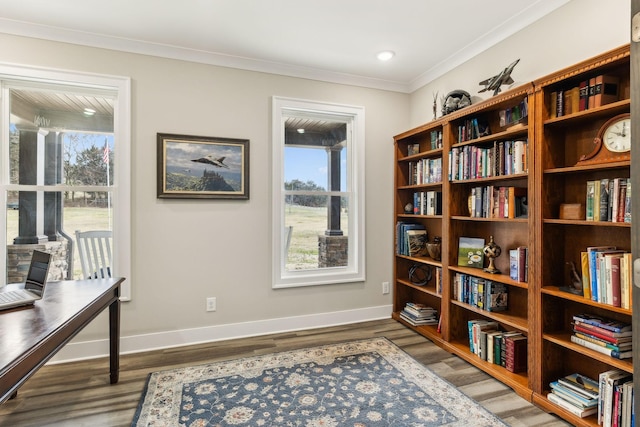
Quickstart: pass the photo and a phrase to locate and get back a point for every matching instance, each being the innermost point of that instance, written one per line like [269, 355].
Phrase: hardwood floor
[79, 393]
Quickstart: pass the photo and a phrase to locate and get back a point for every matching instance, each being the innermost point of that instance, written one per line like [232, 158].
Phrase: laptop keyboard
[12, 296]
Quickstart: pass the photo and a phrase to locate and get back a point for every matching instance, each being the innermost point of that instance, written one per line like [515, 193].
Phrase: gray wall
[222, 248]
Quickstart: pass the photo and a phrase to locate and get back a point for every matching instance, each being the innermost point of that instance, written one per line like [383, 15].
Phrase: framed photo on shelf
[199, 167]
[470, 252]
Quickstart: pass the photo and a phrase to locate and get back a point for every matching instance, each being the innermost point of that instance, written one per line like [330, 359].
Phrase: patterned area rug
[362, 383]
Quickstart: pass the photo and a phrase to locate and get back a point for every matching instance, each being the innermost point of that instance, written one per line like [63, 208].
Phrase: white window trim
[355, 272]
[122, 134]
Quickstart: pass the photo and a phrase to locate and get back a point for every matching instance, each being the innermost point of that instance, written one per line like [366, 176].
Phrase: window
[318, 193]
[65, 167]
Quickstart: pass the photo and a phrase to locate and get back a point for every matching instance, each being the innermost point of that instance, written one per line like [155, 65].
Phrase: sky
[309, 165]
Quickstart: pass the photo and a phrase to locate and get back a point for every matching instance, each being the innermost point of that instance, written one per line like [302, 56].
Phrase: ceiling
[328, 40]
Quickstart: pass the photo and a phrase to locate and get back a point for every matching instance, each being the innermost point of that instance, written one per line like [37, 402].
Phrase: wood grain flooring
[79, 393]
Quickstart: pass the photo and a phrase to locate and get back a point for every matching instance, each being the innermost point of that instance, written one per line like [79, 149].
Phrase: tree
[303, 199]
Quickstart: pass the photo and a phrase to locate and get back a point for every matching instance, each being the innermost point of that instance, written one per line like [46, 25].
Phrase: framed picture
[199, 167]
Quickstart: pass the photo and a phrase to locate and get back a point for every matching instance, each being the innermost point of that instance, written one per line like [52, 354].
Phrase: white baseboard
[138, 343]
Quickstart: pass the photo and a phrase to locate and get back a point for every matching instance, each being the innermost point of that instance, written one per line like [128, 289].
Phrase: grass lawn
[307, 224]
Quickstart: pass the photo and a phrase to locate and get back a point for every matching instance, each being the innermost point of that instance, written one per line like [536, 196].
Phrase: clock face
[617, 137]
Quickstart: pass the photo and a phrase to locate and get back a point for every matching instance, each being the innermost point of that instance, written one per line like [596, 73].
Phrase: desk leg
[114, 340]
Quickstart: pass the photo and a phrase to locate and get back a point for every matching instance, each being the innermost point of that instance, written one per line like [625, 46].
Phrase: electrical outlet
[211, 304]
[385, 288]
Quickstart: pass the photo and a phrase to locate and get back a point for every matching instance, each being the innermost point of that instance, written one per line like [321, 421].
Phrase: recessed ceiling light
[89, 111]
[300, 130]
[386, 55]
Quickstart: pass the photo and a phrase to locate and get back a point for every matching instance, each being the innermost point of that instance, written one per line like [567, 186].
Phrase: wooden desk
[30, 336]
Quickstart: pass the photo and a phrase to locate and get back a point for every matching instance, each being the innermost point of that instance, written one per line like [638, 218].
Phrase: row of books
[608, 200]
[498, 202]
[418, 314]
[514, 114]
[605, 336]
[425, 171]
[607, 275]
[472, 129]
[502, 158]
[609, 399]
[519, 264]
[594, 92]
[427, 203]
[411, 239]
[436, 139]
[506, 349]
[481, 293]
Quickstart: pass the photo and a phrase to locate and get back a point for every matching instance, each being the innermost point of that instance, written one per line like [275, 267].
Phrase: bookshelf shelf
[537, 308]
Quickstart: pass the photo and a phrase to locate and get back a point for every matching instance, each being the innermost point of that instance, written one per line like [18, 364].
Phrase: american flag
[105, 152]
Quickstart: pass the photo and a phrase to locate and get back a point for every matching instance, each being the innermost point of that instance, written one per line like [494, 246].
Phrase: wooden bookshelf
[538, 307]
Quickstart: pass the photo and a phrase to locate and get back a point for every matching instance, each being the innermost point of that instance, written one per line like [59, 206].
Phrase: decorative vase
[435, 248]
[492, 251]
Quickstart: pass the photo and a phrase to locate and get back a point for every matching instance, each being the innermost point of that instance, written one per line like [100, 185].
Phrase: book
[606, 90]
[573, 397]
[470, 252]
[623, 346]
[513, 264]
[602, 322]
[516, 353]
[593, 268]
[612, 380]
[581, 384]
[600, 349]
[598, 329]
[586, 280]
[569, 407]
[603, 199]
[417, 242]
[590, 200]
[491, 345]
[496, 296]
[523, 264]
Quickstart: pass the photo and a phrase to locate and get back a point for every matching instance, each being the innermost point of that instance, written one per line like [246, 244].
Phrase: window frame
[355, 270]
[120, 87]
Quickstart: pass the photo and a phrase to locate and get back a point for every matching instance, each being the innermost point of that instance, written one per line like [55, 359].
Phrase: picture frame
[201, 167]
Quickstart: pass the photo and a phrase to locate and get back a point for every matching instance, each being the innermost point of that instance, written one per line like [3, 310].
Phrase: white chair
[94, 248]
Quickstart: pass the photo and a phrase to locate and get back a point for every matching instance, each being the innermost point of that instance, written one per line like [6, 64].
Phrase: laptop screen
[38, 270]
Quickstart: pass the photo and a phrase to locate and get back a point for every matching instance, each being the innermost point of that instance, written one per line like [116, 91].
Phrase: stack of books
[418, 314]
[506, 349]
[603, 335]
[577, 394]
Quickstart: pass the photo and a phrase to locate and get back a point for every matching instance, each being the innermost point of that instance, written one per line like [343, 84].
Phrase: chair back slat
[94, 248]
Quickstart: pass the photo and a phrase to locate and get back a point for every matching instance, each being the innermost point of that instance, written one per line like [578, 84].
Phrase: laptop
[33, 289]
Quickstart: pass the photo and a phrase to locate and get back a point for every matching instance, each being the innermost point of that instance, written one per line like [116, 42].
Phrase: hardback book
[570, 407]
[586, 279]
[516, 354]
[470, 252]
[491, 345]
[496, 296]
[573, 397]
[503, 346]
[513, 264]
[590, 200]
[523, 264]
[603, 211]
[606, 90]
[600, 349]
[600, 331]
[581, 384]
[593, 274]
[602, 322]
